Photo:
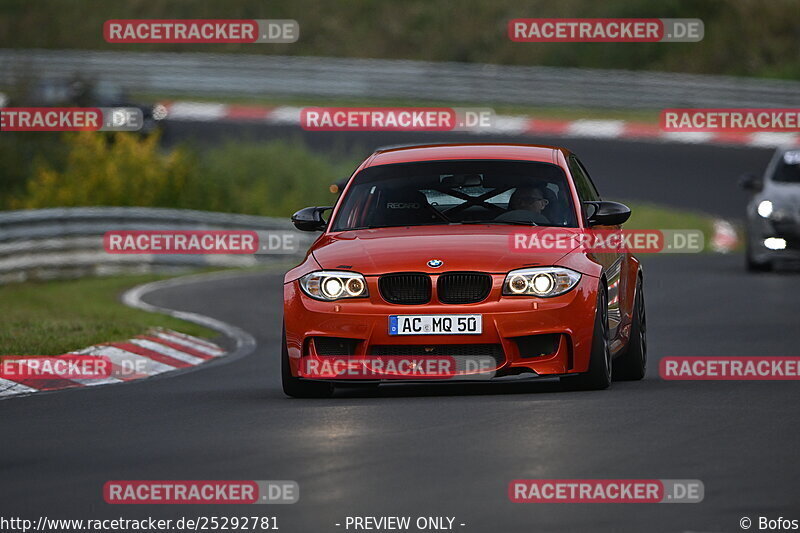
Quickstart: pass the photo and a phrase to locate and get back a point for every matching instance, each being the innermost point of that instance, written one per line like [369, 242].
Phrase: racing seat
[403, 208]
[555, 211]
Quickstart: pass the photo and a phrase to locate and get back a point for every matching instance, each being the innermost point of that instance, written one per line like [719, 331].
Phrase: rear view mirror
[750, 182]
[606, 213]
[463, 180]
[310, 219]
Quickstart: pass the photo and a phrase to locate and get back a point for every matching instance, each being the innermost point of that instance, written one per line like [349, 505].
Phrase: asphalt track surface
[447, 450]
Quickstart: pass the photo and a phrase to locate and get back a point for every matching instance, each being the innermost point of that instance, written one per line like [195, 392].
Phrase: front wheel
[599, 375]
[632, 365]
[296, 387]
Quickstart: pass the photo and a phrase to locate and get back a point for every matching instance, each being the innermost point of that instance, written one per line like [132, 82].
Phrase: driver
[526, 205]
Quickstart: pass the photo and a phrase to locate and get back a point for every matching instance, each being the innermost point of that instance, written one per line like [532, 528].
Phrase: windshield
[788, 170]
[457, 192]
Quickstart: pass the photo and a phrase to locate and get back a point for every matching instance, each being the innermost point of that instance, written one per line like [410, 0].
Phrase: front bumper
[526, 336]
[759, 229]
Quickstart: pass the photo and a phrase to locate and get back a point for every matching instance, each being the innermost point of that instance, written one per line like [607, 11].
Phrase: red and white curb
[157, 352]
[725, 239]
[503, 125]
[161, 350]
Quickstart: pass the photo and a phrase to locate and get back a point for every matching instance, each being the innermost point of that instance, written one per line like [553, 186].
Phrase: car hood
[782, 193]
[486, 248]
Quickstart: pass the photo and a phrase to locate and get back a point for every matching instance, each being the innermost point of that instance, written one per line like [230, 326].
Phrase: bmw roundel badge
[435, 263]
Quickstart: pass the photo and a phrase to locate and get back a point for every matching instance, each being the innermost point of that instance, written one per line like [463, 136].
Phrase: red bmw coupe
[416, 264]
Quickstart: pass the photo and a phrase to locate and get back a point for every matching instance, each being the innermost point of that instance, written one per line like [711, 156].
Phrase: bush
[20, 154]
[274, 178]
[121, 170]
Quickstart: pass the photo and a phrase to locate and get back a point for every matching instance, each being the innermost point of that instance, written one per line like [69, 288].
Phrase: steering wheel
[519, 215]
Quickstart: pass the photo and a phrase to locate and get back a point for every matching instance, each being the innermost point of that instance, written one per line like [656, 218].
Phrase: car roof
[435, 152]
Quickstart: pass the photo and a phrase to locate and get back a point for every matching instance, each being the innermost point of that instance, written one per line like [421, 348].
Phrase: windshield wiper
[501, 222]
[438, 223]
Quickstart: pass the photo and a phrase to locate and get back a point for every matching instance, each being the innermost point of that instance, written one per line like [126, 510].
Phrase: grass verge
[651, 216]
[54, 317]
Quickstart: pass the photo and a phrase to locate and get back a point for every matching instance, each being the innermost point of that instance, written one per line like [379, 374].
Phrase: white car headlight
[540, 281]
[330, 285]
[765, 208]
[775, 243]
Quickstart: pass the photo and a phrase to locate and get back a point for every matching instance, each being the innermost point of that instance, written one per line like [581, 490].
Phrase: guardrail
[55, 243]
[259, 75]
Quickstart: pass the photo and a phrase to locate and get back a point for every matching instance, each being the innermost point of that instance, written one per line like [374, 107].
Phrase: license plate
[435, 324]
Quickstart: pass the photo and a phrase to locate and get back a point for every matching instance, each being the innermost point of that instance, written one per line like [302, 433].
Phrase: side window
[586, 189]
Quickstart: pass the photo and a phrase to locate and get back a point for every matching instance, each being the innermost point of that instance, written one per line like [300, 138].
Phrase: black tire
[598, 377]
[299, 388]
[632, 364]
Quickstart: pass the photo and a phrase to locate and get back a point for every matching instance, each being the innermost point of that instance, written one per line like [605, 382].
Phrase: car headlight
[540, 281]
[775, 243]
[330, 285]
[773, 210]
[765, 208]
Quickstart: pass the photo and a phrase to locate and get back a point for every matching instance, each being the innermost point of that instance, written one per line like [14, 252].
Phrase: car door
[613, 263]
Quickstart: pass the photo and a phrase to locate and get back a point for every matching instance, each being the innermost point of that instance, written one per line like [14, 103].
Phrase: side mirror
[751, 182]
[310, 219]
[606, 213]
